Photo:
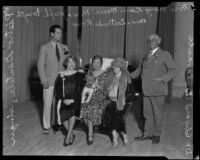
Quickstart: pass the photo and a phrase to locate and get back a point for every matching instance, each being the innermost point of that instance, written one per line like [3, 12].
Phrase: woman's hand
[62, 74]
[81, 70]
[68, 101]
[97, 85]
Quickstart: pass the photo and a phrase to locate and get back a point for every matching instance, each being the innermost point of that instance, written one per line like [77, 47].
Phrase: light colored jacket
[48, 65]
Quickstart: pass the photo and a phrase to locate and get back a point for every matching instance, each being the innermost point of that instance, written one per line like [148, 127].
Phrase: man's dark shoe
[46, 131]
[156, 140]
[141, 138]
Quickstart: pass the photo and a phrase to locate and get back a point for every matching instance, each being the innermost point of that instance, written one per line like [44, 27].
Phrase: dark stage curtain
[31, 29]
[108, 31]
[137, 34]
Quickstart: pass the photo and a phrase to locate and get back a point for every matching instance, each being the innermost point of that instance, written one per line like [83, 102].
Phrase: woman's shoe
[125, 140]
[65, 144]
[72, 141]
[115, 137]
[89, 142]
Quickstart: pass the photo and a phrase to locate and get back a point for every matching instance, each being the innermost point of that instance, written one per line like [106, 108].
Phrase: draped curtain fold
[29, 34]
[103, 31]
[109, 32]
[72, 30]
[99, 36]
[137, 34]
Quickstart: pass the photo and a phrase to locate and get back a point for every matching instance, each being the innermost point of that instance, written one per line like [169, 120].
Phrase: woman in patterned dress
[92, 111]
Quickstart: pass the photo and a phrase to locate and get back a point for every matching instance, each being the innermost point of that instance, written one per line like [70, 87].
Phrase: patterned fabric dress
[94, 109]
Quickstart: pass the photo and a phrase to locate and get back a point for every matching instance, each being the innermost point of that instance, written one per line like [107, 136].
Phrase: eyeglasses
[151, 40]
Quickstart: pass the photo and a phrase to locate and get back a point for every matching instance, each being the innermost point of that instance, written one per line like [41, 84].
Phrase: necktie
[57, 52]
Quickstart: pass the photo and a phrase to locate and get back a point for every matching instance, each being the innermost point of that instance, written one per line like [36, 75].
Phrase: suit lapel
[52, 50]
[157, 53]
[61, 49]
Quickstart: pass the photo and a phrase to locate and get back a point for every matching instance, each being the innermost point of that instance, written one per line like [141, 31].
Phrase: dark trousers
[153, 113]
[114, 119]
[137, 110]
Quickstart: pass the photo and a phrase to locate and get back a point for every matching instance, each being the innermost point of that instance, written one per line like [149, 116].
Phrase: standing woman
[116, 85]
[68, 88]
[92, 111]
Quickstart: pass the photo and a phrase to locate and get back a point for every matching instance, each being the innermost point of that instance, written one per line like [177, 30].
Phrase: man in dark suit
[50, 62]
[156, 69]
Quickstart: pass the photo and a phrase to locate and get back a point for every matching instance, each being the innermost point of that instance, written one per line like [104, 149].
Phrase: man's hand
[68, 101]
[45, 85]
[159, 79]
[81, 70]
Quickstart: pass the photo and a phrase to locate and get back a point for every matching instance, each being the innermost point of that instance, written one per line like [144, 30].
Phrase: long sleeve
[41, 65]
[137, 72]
[77, 95]
[58, 87]
[83, 96]
[169, 63]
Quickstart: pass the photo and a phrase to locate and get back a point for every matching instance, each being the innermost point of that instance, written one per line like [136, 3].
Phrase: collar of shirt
[54, 44]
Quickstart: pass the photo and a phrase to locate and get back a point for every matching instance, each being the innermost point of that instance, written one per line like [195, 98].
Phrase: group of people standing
[98, 93]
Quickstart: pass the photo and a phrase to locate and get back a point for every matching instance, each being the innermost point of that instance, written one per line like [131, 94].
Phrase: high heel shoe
[89, 142]
[72, 141]
[57, 128]
[125, 138]
[65, 144]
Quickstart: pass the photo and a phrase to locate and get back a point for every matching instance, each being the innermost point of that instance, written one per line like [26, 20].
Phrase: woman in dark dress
[68, 88]
[116, 85]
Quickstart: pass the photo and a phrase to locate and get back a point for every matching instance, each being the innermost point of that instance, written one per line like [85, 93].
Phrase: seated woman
[116, 85]
[91, 112]
[68, 87]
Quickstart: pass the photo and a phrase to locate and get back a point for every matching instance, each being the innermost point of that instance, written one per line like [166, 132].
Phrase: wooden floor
[23, 125]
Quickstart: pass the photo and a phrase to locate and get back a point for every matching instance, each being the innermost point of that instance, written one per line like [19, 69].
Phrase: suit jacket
[161, 65]
[48, 65]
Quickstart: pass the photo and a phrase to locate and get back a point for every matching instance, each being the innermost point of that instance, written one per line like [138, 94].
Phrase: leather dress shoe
[46, 131]
[141, 138]
[156, 140]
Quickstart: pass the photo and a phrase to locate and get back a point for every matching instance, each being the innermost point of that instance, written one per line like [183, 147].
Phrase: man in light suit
[156, 69]
[50, 63]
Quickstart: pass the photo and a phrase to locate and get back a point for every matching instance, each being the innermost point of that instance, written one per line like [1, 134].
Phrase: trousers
[153, 113]
[47, 99]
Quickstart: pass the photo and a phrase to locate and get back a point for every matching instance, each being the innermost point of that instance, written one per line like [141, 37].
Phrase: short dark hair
[54, 27]
[67, 60]
[97, 57]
